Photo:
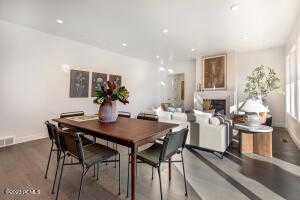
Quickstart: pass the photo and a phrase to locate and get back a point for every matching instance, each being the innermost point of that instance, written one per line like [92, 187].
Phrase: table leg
[133, 171]
[170, 169]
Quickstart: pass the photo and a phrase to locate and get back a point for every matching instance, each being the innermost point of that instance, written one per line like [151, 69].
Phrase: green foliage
[111, 92]
[262, 81]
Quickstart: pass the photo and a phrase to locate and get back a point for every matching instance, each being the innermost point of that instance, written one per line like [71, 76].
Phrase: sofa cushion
[177, 116]
[215, 121]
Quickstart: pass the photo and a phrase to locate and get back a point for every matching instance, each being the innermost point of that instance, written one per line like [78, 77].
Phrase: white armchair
[213, 135]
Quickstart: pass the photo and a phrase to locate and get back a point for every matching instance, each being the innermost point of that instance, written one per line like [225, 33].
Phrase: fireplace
[219, 105]
[220, 101]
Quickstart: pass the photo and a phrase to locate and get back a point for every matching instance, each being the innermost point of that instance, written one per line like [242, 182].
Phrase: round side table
[255, 139]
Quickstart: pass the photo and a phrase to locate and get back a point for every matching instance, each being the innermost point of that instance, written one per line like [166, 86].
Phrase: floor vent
[7, 141]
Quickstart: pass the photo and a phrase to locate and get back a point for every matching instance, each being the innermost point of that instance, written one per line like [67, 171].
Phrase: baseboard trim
[279, 124]
[28, 138]
[293, 136]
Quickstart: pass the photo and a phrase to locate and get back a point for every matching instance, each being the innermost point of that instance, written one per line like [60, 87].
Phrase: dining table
[129, 132]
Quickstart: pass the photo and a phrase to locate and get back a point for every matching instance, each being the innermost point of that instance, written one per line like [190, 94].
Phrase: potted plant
[260, 83]
[106, 97]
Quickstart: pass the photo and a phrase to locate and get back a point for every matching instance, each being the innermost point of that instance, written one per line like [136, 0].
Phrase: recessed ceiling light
[193, 49]
[157, 57]
[170, 71]
[162, 69]
[165, 31]
[162, 83]
[124, 44]
[235, 7]
[59, 21]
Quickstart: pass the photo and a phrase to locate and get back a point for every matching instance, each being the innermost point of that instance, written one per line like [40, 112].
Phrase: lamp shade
[252, 105]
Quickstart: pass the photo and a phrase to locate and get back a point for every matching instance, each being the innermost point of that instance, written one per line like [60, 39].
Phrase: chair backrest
[71, 144]
[53, 134]
[50, 129]
[145, 116]
[70, 114]
[124, 114]
[172, 142]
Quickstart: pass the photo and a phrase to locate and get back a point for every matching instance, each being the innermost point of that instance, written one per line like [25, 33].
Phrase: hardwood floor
[236, 176]
[23, 166]
[258, 177]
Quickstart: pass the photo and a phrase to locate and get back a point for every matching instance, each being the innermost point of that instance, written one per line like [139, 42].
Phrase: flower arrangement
[111, 92]
[262, 81]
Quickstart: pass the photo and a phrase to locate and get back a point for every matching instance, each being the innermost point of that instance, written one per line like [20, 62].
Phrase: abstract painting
[214, 72]
[98, 80]
[115, 79]
[79, 83]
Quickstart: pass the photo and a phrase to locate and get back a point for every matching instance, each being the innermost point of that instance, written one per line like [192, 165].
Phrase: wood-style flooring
[22, 166]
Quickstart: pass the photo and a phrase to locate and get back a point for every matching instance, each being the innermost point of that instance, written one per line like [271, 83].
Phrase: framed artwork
[116, 79]
[214, 72]
[98, 79]
[79, 83]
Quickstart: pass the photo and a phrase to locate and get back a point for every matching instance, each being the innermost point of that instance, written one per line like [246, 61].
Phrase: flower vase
[108, 112]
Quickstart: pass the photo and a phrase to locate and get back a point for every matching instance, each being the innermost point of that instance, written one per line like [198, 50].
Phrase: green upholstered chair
[52, 130]
[87, 156]
[172, 144]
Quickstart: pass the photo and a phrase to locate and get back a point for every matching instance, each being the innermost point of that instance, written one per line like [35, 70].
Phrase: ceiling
[208, 26]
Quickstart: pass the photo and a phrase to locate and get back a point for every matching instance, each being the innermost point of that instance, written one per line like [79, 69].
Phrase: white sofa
[174, 118]
[213, 134]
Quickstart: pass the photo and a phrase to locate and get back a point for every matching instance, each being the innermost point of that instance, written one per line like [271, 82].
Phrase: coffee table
[255, 139]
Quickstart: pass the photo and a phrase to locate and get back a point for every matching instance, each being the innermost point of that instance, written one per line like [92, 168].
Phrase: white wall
[293, 125]
[34, 87]
[241, 64]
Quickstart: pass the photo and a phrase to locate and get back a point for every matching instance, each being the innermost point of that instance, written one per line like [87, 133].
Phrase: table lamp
[252, 108]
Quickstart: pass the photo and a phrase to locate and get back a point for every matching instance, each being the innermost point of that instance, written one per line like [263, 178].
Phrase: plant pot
[253, 119]
[108, 112]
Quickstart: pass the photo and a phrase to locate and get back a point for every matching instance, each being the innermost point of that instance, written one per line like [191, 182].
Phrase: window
[288, 86]
[292, 82]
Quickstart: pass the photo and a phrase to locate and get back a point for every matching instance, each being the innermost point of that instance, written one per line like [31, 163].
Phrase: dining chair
[124, 114]
[87, 156]
[56, 147]
[172, 144]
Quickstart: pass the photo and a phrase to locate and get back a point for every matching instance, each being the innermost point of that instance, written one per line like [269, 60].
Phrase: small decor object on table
[106, 97]
[253, 108]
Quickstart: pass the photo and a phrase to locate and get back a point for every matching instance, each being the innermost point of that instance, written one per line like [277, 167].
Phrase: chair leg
[119, 174]
[116, 156]
[97, 172]
[186, 194]
[61, 172]
[49, 159]
[107, 146]
[152, 172]
[81, 180]
[57, 166]
[159, 175]
[127, 195]
[94, 171]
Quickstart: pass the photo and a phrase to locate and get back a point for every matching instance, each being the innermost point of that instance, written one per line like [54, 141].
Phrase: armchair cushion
[215, 121]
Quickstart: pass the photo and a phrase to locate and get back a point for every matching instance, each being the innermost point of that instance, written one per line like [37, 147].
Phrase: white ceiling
[209, 26]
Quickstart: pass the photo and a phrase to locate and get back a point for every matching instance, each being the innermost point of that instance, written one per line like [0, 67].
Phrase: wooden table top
[126, 129]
